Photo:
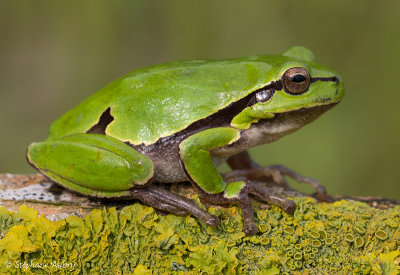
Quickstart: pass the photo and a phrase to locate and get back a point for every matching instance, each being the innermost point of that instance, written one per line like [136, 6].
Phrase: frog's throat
[288, 122]
[271, 129]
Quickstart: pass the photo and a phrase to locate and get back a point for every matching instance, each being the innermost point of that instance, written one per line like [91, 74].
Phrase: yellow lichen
[343, 237]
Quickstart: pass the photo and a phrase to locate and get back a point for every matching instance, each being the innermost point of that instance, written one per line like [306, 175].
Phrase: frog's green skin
[177, 121]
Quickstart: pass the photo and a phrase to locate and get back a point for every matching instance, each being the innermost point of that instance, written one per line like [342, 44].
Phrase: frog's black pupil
[298, 78]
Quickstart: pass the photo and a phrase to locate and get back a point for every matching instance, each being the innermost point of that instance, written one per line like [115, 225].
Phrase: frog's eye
[296, 80]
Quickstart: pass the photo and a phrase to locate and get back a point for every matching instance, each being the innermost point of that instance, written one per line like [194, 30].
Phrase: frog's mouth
[285, 123]
[306, 113]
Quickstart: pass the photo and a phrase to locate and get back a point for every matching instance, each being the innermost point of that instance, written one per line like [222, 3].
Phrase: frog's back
[158, 101]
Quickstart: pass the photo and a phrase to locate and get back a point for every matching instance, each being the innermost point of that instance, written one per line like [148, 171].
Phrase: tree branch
[75, 234]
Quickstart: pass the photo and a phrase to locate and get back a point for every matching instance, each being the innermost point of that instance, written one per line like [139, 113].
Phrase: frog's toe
[275, 173]
[320, 189]
[249, 227]
[262, 194]
[289, 206]
[212, 221]
[284, 171]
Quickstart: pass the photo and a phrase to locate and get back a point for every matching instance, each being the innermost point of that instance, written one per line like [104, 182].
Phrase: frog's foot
[163, 200]
[238, 193]
[277, 174]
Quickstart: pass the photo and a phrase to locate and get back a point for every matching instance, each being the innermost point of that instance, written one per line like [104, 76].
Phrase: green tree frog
[178, 121]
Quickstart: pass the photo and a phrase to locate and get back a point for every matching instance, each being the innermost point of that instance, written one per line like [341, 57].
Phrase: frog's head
[297, 92]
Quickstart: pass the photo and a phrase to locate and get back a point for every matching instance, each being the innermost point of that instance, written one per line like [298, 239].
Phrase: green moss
[342, 237]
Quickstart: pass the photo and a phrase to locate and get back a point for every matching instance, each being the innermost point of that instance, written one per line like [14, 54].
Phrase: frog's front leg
[101, 166]
[244, 166]
[200, 169]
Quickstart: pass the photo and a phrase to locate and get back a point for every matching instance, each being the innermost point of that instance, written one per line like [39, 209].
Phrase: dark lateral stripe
[100, 127]
[329, 78]
[220, 118]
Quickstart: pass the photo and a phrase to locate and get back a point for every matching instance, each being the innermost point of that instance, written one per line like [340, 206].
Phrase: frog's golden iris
[296, 80]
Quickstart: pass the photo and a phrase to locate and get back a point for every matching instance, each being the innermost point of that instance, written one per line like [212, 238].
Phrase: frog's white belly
[168, 171]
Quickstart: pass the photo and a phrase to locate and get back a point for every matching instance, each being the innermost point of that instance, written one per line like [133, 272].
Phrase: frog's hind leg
[245, 167]
[104, 167]
[91, 164]
[164, 200]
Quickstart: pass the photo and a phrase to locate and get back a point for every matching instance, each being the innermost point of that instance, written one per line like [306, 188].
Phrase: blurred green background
[53, 54]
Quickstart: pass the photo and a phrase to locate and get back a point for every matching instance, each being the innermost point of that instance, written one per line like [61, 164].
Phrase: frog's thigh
[91, 164]
[194, 152]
